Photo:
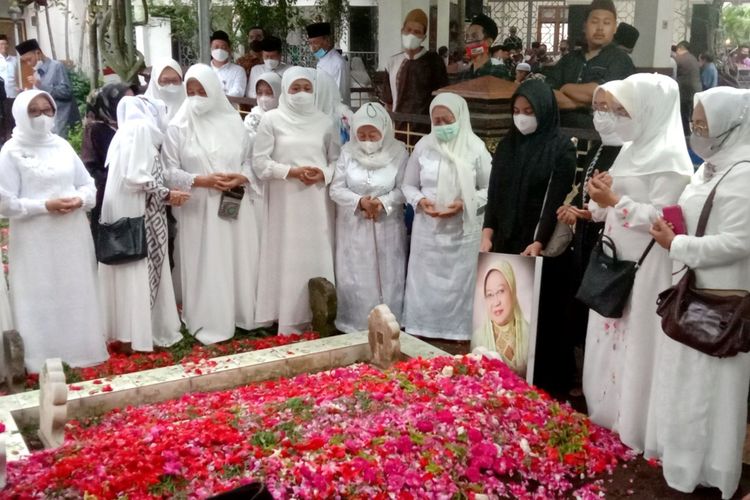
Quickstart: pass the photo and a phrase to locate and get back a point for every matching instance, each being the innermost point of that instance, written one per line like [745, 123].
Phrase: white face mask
[526, 124]
[411, 42]
[42, 124]
[199, 104]
[267, 102]
[271, 64]
[302, 101]
[371, 147]
[170, 89]
[604, 123]
[625, 128]
[496, 62]
[220, 55]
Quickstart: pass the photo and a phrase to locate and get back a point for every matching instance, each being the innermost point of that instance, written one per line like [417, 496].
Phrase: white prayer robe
[698, 408]
[52, 264]
[441, 252]
[218, 257]
[125, 288]
[337, 66]
[232, 77]
[620, 355]
[358, 274]
[298, 223]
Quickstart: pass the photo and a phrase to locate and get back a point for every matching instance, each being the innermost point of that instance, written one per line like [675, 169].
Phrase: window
[552, 27]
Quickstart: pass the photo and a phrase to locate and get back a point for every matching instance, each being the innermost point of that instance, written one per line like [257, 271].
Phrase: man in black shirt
[578, 73]
[513, 42]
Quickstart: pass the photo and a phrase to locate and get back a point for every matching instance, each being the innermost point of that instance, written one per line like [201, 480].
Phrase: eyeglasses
[700, 130]
[35, 112]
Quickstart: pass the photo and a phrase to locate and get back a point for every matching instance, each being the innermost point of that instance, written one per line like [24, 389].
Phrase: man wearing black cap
[271, 51]
[578, 74]
[626, 36]
[51, 77]
[329, 60]
[232, 77]
[479, 37]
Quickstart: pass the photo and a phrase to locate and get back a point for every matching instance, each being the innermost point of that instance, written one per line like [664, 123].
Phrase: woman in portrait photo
[505, 331]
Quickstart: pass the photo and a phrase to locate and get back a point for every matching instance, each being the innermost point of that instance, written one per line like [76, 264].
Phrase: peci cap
[488, 25]
[27, 46]
[318, 29]
[626, 35]
[523, 67]
[220, 35]
[271, 44]
[417, 16]
[602, 5]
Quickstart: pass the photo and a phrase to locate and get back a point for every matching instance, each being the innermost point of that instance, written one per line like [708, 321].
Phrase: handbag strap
[645, 253]
[708, 205]
[605, 240]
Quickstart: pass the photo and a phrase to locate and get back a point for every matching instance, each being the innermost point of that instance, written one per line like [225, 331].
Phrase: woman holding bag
[206, 153]
[649, 173]
[699, 403]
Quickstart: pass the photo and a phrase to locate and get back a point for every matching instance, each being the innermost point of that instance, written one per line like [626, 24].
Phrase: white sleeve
[84, 183]
[13, 205]
[339, 191]
[174, 175]
[484, 166]
[664, 190]
[237, 81]
[265, 142]
[411, 187]
[396, 197]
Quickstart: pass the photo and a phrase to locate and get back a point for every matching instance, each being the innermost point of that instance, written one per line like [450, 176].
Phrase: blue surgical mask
[320, 53]
[446, 133]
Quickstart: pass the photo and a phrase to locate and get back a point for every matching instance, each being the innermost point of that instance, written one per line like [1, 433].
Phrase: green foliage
[275, 16]
[333, 11]
[75, 138]
[182, 16]
[736, 22]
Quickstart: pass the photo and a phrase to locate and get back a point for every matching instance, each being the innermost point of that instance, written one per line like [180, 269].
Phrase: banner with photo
[506, 304]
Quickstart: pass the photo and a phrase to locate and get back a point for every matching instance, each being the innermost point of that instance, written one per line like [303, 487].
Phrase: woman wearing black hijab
[101, 125]
[533, 162]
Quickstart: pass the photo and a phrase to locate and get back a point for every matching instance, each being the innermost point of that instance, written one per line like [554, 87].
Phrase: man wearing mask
[232, 76]
[578, 73]
[479, 38]
[500, 55]
[51, 77]
[413, 74]
[320, 40]
[8, 70]
[271, 50]
[253, 56]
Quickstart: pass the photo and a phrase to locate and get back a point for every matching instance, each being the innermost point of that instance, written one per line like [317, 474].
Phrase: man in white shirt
[8, 70]
[271, 50]
[329, 60]
[233, 78]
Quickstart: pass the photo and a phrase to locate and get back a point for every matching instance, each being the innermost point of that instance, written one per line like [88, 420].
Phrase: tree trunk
[49, 33]
[67, 32]
[94, 50]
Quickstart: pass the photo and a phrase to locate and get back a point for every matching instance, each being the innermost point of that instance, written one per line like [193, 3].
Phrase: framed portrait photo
[506, 304]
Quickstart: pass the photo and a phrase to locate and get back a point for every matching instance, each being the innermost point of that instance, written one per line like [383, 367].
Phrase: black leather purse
[608, 281]
[122, 241]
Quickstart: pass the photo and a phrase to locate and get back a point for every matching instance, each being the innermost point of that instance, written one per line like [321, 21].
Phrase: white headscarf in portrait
[459, 155]
[172, 100]
[653, 102]
[23, 132]
[286, 108]
[374, 114]
[219, 131]
[725, 108]
[253, 117]
[484, 336]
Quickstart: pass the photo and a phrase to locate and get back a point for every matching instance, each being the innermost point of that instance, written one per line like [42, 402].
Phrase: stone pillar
[204, 30]
[654, 20]
[443, 23]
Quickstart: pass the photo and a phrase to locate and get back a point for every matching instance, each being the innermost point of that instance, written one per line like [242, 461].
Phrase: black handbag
[608, 281]
[714, 322]
[122, 241]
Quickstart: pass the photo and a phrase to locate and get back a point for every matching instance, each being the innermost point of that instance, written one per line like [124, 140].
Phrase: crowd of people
[237, 216]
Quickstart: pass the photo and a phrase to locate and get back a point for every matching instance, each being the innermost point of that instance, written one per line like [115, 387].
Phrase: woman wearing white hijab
[649, 173]
[166, 86]
[370, 230]
[295, 152]
[699, 403]
[53, 268]
[206, 152]
[137, 297]
[446, 182]
[267, 90]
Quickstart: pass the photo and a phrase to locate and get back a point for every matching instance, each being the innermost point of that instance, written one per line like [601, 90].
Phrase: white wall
[154, 40]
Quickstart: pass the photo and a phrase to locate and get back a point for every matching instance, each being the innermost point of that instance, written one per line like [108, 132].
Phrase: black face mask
[256, 46]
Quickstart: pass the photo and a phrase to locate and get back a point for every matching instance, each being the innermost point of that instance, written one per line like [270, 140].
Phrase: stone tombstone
[13, 353]
[383, 337]
[53, 403]
[323, 306]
